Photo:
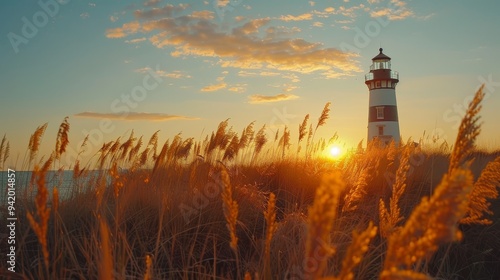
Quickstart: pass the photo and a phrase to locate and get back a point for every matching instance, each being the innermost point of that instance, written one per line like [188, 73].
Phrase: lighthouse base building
[383, 123]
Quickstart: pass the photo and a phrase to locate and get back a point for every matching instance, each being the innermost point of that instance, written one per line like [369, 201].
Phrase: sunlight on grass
[240, 206]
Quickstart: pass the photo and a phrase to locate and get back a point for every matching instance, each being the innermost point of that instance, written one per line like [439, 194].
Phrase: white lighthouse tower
[383, 112]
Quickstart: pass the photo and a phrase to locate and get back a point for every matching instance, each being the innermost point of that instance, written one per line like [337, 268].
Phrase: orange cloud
[126, 29]
[203, 14]
[258, 98]
[238, 88]
[306, 16]
[174, 74]
[242, 47]
[395, 10]
[214, 87]
[133, 116]
[392, 14]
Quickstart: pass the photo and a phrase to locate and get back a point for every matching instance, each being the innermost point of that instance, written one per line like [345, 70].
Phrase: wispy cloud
[350, 12]
[203, 14]
[392, 14]
[258, 98]
[222, 3]
[395, 10]
[133, 116]
[241, 47]
[135, 41]
[150, 3]
[176, 74]
[214, 87]
[126, 29]
[165, 11]
[238, 88]
[317, 24]
[306, 16]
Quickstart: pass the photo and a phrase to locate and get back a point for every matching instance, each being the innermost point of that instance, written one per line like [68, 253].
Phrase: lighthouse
[383, 122]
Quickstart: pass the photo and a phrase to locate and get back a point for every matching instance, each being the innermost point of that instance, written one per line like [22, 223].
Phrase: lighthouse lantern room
[383, 112]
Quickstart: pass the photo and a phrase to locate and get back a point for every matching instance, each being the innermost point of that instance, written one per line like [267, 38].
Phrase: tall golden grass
[237, 206]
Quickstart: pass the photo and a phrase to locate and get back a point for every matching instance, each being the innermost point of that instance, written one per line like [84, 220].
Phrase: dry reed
[468, 131]
[302, 131]
[40, 225]
[389, 218]
[106, 261]
[321, 216]
[432, 223]
[148, 275]
[356, 251]
[484, 189]
[260, 141]
[4, 151]
[62, 138]
[358, 191]
[35, 139]
[230, 207]
[324, 116]
[270, 216]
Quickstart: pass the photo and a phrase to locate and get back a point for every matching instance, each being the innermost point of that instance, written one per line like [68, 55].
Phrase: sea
[62, 180]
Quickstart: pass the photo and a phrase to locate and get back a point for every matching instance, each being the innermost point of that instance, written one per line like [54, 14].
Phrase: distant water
[63, 180]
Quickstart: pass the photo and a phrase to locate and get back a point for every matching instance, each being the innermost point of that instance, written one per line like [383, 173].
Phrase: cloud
[133, 116]
[243, 47]
[349, 12]
[238, 88]
[214, 87]
[317, 24]
[222, 3]
[288, 88]
[251, 26]
[203, 14]
[174, 74]
[281, 32]
[306, 16]
[126, 29]
[258, 98]
[113, 18]
[150, 3]
[135, 41]
[165, 11]
[392, 14]
[85, 15]
[395, 10]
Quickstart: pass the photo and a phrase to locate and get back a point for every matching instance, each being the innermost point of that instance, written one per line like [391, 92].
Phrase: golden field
[245, 206]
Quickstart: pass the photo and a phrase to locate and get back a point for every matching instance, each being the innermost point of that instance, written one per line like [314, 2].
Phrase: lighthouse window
[380, 113]
[377, 84]
[389, 83]
[380, 130]
[384, 83]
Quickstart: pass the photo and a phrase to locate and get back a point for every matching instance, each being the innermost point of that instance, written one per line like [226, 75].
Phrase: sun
[335, 152]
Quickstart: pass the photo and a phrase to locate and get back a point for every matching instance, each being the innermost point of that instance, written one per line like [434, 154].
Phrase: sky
[184, 66]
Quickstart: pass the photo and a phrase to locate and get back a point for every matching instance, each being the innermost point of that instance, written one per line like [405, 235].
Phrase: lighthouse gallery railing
[393, 75]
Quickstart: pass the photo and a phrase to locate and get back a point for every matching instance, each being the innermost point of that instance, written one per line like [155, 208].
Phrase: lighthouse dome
[381, 56]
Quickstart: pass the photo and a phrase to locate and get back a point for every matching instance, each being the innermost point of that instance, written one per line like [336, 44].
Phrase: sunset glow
[185, 66]
[238, 139]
